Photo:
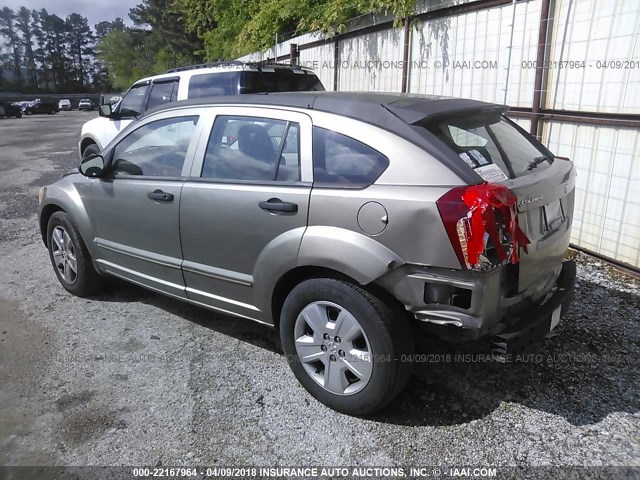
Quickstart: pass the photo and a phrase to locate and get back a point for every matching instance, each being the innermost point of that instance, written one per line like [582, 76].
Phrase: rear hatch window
[490, 144]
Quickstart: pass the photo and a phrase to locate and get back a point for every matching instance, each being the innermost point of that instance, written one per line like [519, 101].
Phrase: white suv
[196, 81]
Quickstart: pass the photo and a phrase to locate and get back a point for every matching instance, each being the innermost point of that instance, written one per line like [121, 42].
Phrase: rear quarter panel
[407, 189]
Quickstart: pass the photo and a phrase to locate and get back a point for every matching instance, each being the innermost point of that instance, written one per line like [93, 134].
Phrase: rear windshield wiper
[538, 160]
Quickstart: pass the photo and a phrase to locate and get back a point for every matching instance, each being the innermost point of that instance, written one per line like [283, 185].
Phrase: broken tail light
[482, 224]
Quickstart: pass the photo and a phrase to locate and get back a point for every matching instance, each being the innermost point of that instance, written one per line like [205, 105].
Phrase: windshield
[490, 144]
[131, 103]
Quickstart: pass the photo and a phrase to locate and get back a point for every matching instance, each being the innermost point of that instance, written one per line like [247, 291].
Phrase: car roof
[219, 67]
[364, 106]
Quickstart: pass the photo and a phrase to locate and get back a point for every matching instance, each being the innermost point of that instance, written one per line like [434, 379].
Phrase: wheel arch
[45, 215]
[67, 196]
[336, 251]
[297, 275]
[86, 141]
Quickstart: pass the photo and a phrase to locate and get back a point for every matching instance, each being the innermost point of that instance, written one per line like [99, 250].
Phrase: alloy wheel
[64, 255]
[333, 348]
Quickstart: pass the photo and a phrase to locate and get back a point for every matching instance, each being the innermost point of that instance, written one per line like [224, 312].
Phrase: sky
[95, 10]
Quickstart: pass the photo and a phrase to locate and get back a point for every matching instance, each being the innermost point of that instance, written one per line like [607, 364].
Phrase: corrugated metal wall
[443, 59]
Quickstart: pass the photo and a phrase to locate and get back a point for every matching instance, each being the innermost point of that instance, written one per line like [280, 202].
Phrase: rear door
[248, 193]
[500, 151]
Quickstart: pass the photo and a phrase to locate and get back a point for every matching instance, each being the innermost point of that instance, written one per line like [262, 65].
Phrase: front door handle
[277, 205]
[160, 196]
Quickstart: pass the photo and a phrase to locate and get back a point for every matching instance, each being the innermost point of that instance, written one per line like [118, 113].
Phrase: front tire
[344, 345]
[91, 149]
[70, 258]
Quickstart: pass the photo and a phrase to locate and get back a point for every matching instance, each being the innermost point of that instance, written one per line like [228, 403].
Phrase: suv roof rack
[260, 64]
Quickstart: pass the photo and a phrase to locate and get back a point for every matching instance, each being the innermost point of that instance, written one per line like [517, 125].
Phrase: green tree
[53, 37]
[230, 28]
[128, 56]
[167, 23]
[24, 25]
[81, 42]
[9, 31]
[105, 28]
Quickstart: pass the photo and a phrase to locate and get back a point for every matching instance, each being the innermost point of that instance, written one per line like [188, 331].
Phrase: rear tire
[353, 358]
[70, 258]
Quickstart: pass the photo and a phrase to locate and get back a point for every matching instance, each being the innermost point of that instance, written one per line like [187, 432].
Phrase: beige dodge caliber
[342, 219]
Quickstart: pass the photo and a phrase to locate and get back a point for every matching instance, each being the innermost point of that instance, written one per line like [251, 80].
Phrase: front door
[136, 208]
[249, 190]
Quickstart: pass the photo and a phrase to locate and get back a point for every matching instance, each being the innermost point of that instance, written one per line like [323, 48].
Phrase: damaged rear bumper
[536, 325]
[459, 305]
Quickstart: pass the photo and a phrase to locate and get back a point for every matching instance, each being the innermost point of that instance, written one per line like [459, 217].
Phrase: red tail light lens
[482, 224]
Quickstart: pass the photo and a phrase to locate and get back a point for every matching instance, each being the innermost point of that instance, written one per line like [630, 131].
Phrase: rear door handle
[160, 196]
[277, 205]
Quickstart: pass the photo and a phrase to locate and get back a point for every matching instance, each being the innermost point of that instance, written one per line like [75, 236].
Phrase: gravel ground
[131, 377]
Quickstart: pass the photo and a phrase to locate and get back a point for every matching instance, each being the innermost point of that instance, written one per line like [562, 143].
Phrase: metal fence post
[336, 63]
[405, 56]
[538, 84]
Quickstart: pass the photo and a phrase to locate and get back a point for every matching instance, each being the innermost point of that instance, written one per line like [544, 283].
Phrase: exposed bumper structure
[460, 305]
[535, 326]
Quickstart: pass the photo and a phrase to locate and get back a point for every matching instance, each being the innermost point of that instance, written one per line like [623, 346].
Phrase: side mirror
[92, 166]
[105, 110]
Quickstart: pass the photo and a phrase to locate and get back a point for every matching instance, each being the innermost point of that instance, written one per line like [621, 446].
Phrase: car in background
[22, 105]
[85, 104]
[41, 106]
[195, 81]
[64, 104]
[9, 109]
[344, 220]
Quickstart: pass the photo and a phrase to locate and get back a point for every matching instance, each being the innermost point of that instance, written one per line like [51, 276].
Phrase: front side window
[156, 149]
[344, 161]
[162, 93]
[253, 149]
[132, 103]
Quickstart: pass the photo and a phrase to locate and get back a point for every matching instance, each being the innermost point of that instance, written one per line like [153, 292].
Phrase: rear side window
[339, 160]
[214, 84]
[490, 144]
[253, 149]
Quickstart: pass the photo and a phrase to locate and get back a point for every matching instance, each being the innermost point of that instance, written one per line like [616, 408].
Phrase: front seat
[255, 142]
